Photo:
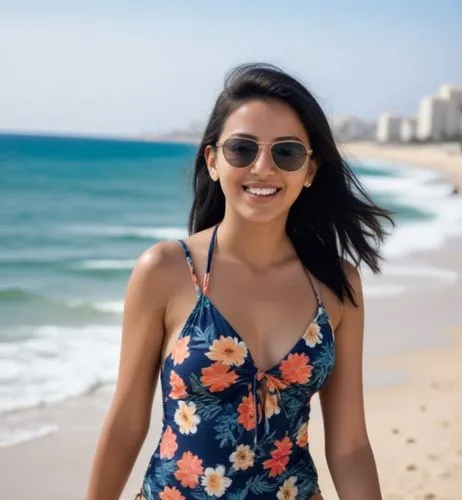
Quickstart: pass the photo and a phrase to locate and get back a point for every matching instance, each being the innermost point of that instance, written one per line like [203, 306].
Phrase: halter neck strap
[314, 287]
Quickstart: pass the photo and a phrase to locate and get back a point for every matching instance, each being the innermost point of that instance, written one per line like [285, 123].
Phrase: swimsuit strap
[315, 288]
[213, 240]
[189, 261]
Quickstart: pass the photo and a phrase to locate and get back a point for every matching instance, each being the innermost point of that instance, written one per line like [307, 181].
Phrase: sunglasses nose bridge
[264, 158]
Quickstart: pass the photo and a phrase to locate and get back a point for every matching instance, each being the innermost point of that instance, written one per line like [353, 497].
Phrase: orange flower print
[189, 470]
[288, 490]
[279, 458]
[302, 436]
[181, 350]
[178, 386]
[313, 335]
[171, 494]
[228, 351]
[283, 448]
[274, 383]
[276, 466]
[295, 369]
[168, 444]
[217, 377]
[246, 411]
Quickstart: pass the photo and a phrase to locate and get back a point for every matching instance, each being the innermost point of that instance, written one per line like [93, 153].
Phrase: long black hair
[334, 219]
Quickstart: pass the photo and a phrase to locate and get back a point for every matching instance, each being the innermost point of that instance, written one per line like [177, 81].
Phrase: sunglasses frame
[308, 152]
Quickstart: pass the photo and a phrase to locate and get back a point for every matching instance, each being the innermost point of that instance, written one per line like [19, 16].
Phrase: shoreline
[442, 159]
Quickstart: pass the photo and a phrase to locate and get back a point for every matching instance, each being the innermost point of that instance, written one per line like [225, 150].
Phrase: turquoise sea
[75, 213]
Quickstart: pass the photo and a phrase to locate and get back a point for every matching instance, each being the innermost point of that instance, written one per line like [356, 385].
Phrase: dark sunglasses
[286, 155]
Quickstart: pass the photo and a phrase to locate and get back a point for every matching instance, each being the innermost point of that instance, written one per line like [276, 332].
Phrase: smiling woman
[251, 315]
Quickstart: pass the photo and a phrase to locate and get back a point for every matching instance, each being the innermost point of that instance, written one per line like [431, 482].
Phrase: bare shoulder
[160, 270]
[354, 278]
[352, 314]
[159, 258]
[157, 267]
[336, 308]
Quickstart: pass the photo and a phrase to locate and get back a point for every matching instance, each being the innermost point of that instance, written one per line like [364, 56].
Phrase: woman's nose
[263, 164]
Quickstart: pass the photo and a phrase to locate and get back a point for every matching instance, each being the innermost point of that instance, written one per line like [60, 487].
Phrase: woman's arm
[348, 452]
[128, 419]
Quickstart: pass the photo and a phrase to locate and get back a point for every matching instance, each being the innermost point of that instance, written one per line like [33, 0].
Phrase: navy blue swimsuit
[229, 429]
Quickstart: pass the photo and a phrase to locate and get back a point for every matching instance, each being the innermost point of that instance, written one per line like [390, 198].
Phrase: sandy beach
[445, 159]
[413, 387]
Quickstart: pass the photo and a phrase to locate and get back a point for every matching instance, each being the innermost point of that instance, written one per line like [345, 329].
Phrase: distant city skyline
[438, 118]
[129, 69]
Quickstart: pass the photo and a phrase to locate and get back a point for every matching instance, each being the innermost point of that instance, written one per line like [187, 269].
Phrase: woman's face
[267, 122]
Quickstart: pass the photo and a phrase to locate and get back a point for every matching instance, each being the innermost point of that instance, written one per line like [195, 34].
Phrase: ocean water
[75, 214]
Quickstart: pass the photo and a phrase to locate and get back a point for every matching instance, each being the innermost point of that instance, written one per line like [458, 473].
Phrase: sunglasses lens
[289, 156]
[240, 152]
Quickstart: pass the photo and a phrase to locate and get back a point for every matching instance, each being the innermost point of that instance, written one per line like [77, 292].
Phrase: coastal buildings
[408, 131]
[452, 95]
[439, 118]
[389, 128]
[432, 117]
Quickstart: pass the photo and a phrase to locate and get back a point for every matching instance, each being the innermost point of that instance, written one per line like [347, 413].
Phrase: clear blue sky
[115, 67]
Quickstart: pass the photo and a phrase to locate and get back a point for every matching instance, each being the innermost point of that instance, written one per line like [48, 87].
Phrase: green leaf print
[323, 365]
[226, 428]
[265, 441]
[322, 318]
[259, 485]
[238, 495]
[294, 399]
[202, 339]
[207, 405]
[164, 470]
[306, 487]
[199, 495]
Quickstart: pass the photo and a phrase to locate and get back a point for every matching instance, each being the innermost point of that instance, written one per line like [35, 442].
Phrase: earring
[307, 184]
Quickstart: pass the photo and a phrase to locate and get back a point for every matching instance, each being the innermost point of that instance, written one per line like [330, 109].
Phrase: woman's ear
[311, 173]
[210, 155]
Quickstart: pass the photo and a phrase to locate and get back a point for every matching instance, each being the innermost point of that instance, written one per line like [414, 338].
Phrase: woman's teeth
[260, 191]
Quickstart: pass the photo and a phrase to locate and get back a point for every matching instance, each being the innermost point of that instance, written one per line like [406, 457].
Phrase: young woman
[259, 309]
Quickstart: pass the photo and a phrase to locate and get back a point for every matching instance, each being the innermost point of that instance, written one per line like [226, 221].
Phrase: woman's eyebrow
[255, 138]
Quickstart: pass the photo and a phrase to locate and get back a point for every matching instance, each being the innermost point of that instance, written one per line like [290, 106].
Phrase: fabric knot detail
[261, 375]
[265, 386]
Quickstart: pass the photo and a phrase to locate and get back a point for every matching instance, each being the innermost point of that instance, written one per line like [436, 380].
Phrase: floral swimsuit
[229, 429]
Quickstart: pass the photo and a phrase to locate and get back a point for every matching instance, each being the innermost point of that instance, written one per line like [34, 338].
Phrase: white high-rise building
[389, 128]
[452, 94]
[408, 130]
[432, 118]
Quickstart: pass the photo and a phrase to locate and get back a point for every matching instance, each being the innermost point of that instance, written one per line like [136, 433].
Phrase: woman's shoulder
[164, 262]
[336, 307]
[352, 274]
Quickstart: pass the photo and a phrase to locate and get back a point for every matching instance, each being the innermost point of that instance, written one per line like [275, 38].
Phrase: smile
[257, 191]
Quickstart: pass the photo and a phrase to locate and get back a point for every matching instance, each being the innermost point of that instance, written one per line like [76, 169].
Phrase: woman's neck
[258, 245]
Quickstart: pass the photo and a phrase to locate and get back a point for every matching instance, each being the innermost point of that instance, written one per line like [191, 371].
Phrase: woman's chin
[260, 216]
